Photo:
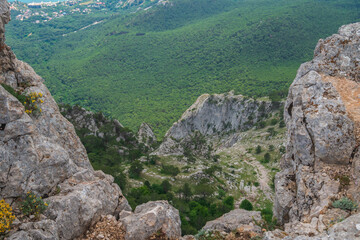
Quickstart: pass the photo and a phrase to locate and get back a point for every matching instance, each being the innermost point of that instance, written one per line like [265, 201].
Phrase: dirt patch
[106, 229]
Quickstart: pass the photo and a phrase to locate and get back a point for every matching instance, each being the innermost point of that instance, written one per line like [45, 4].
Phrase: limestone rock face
[346, 229]
[151, 218]
[146, 135]
[233, 220]
[322, 117]
[211, 118]
[43, 154]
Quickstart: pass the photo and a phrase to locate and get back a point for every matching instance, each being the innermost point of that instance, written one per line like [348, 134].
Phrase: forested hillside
[151, 65]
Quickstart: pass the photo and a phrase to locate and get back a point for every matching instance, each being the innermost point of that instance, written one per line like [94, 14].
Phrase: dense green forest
[151, 65]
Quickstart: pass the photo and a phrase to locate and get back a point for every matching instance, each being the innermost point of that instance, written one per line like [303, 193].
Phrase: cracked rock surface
[322, 118]
[43, 153]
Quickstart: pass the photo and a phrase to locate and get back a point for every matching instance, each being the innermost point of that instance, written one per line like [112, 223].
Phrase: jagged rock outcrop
[150, 218]
[209, 120]
[346, 229]
[41, 153]
[146, 136]
[238, 218]
[322, 114]
[95, 123]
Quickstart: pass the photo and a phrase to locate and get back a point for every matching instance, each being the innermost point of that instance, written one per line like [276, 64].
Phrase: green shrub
[170, 170]
[135, 169]
[33, 205]
[282, 124]
[261, 124]
[282, 149]
[345, 204]
[268, 222]
[271, 132]
[273, 121]
[213, 169]
[16, 94]
[246, 204]
[267, 158]
[258, 149]
[344, 181]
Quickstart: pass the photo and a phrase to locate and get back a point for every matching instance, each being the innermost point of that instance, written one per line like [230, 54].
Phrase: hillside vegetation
[151, 65]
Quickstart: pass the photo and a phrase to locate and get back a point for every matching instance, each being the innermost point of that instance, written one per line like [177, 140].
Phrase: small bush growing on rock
[282, 124]
[246, 204]
[282, 149]
[33, 205]
[6, 216]
[32, 102]
[15, 93]
[345, 204]
[344, 180]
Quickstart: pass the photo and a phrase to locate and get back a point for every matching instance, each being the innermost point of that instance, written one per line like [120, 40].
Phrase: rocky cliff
[108, 131]
[41, 153]
[322, 156]
[146, 136]
[211, 122]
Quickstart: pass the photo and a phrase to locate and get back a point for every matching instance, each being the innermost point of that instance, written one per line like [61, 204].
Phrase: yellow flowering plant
[32, 102]
[6, 216]
[33, 205]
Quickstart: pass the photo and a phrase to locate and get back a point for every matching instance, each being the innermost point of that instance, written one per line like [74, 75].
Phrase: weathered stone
[211, 117]
[41, 153]
[150, 218]
[233, 220]
[146, 135]
[42, 230]
[322, 118]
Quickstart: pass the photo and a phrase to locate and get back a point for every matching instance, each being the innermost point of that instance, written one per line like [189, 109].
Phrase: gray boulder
[233, 220]
[151, 218]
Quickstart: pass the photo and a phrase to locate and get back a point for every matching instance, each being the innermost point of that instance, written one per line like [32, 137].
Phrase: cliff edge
[322, 159]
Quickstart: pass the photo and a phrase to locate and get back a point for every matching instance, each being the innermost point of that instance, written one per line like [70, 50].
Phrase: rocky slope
[87, 123]
[322, 156]
[211, 122]
[41, 153]
[94, 122]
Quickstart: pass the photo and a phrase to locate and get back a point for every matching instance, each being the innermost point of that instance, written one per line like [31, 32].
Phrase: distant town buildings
[47, 11]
